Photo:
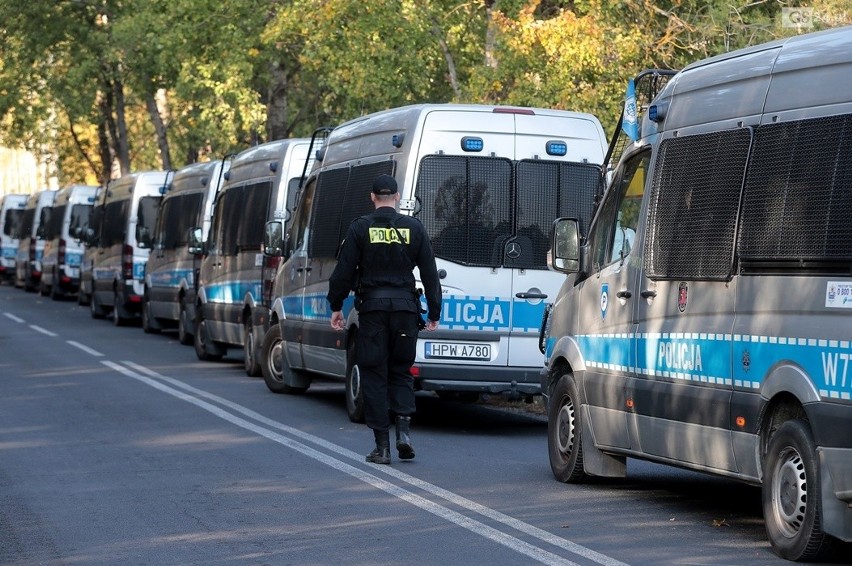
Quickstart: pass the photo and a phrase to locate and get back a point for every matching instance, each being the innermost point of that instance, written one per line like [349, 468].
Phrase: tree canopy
[97, 88]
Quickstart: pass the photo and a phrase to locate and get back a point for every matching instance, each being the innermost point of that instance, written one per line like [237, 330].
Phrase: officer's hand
[337, 320]
[431, 325]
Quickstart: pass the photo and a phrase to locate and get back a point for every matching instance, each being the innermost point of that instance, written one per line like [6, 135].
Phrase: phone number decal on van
[838, 295]
[456, 351]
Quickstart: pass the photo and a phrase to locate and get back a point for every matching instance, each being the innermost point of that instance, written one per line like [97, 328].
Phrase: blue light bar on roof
[556, 147]
[470, 143]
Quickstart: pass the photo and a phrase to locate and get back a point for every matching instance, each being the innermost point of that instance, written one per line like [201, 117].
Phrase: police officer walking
[377, 260]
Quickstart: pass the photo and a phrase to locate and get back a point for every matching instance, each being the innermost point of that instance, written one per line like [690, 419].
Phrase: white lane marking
[13, 317]
[43, 330]
[85, 348]
[472, 525]
[411, 480]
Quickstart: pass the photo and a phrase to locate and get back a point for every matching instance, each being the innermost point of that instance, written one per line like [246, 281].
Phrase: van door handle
[300, 269]
[648, 294]
[624, 294]
[531, 295]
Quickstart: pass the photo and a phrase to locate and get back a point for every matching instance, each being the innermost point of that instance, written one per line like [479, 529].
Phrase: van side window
[299, 228]
[344, 195]
[79, 218]
[252, 215]
[12, 221]
[797, 198]
[612, 236]
[694, 202]
[114, 227]
[229, 210]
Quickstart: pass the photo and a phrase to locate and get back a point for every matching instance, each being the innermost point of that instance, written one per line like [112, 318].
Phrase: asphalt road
[118, 447]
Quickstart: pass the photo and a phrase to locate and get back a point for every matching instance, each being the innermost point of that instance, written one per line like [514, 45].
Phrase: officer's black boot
[403, 440]
[381, 454]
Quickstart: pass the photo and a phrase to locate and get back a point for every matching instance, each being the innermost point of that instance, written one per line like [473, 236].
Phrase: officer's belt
[386, 293]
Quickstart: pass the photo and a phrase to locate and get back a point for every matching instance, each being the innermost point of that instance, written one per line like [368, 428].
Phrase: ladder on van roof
[318, 139]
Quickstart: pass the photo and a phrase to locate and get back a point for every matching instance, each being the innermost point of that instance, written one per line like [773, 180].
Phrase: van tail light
[127, 262]
[60, 253]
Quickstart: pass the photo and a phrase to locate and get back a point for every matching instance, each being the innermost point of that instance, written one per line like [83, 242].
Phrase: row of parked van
[236, 253]
[698, 316]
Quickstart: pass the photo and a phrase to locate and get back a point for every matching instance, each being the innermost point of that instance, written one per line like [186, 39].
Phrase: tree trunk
[490, 35]
[159, 128]
[106, 130]
[122, 143]
[276, 104]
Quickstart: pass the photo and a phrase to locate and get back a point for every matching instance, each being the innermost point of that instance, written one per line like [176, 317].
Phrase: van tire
[119, 313]
[564, 441]
[251, 363]
[185, 334]
[149, 323]
[791, 473]
[95, 307]
[204, 349]
[273, 365]
[354, 393]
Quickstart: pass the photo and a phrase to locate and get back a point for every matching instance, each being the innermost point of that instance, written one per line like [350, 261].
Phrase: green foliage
[228, 74]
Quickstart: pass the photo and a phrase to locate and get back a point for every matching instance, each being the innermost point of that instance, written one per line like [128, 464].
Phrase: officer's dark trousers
[385, 350]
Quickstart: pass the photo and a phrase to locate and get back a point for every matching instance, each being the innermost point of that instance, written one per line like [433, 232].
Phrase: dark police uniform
[376, 260]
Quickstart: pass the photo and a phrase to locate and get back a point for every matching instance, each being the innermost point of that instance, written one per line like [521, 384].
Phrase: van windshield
[79, 219]
[472, 207]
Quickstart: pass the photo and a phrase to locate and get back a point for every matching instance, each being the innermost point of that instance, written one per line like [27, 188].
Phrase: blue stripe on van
[232, 292]
[171, 278]
[741, 361]
[9, 252]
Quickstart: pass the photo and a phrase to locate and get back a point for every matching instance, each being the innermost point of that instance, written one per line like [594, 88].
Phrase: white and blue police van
[235, 279]
[486, 182]
[11, 217]
[168, 299]
[705, 321]
[63, 249]
[127, 213]
[31, 239]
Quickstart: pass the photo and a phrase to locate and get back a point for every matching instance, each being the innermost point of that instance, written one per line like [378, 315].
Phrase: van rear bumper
[480, 379]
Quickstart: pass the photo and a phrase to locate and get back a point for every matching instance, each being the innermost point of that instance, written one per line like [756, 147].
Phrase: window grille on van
[53, 227]
[472, 207]
[797, 198]
[342, 195]
[177, 216]
[466, 207]
[546, 191]
[12, 222]
[694, 203]
[115, 223]
[79, 220]
[26, 227]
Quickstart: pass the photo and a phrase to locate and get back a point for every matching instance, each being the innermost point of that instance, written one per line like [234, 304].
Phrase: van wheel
[119, 314]
[95, 307]
[791, 495]
[204, 349]
[274, 366]
[149, 323]
[185, 336]
[55, 292]
[250, 350]
[564, 443]
[354, 393]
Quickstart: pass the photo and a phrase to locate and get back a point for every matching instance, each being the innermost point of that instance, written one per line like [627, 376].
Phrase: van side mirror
[273, 239]
[196, 245]
[565, 245]
[143, 237]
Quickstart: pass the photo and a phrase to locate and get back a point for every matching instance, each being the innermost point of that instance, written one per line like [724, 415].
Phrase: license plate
[456, 351]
